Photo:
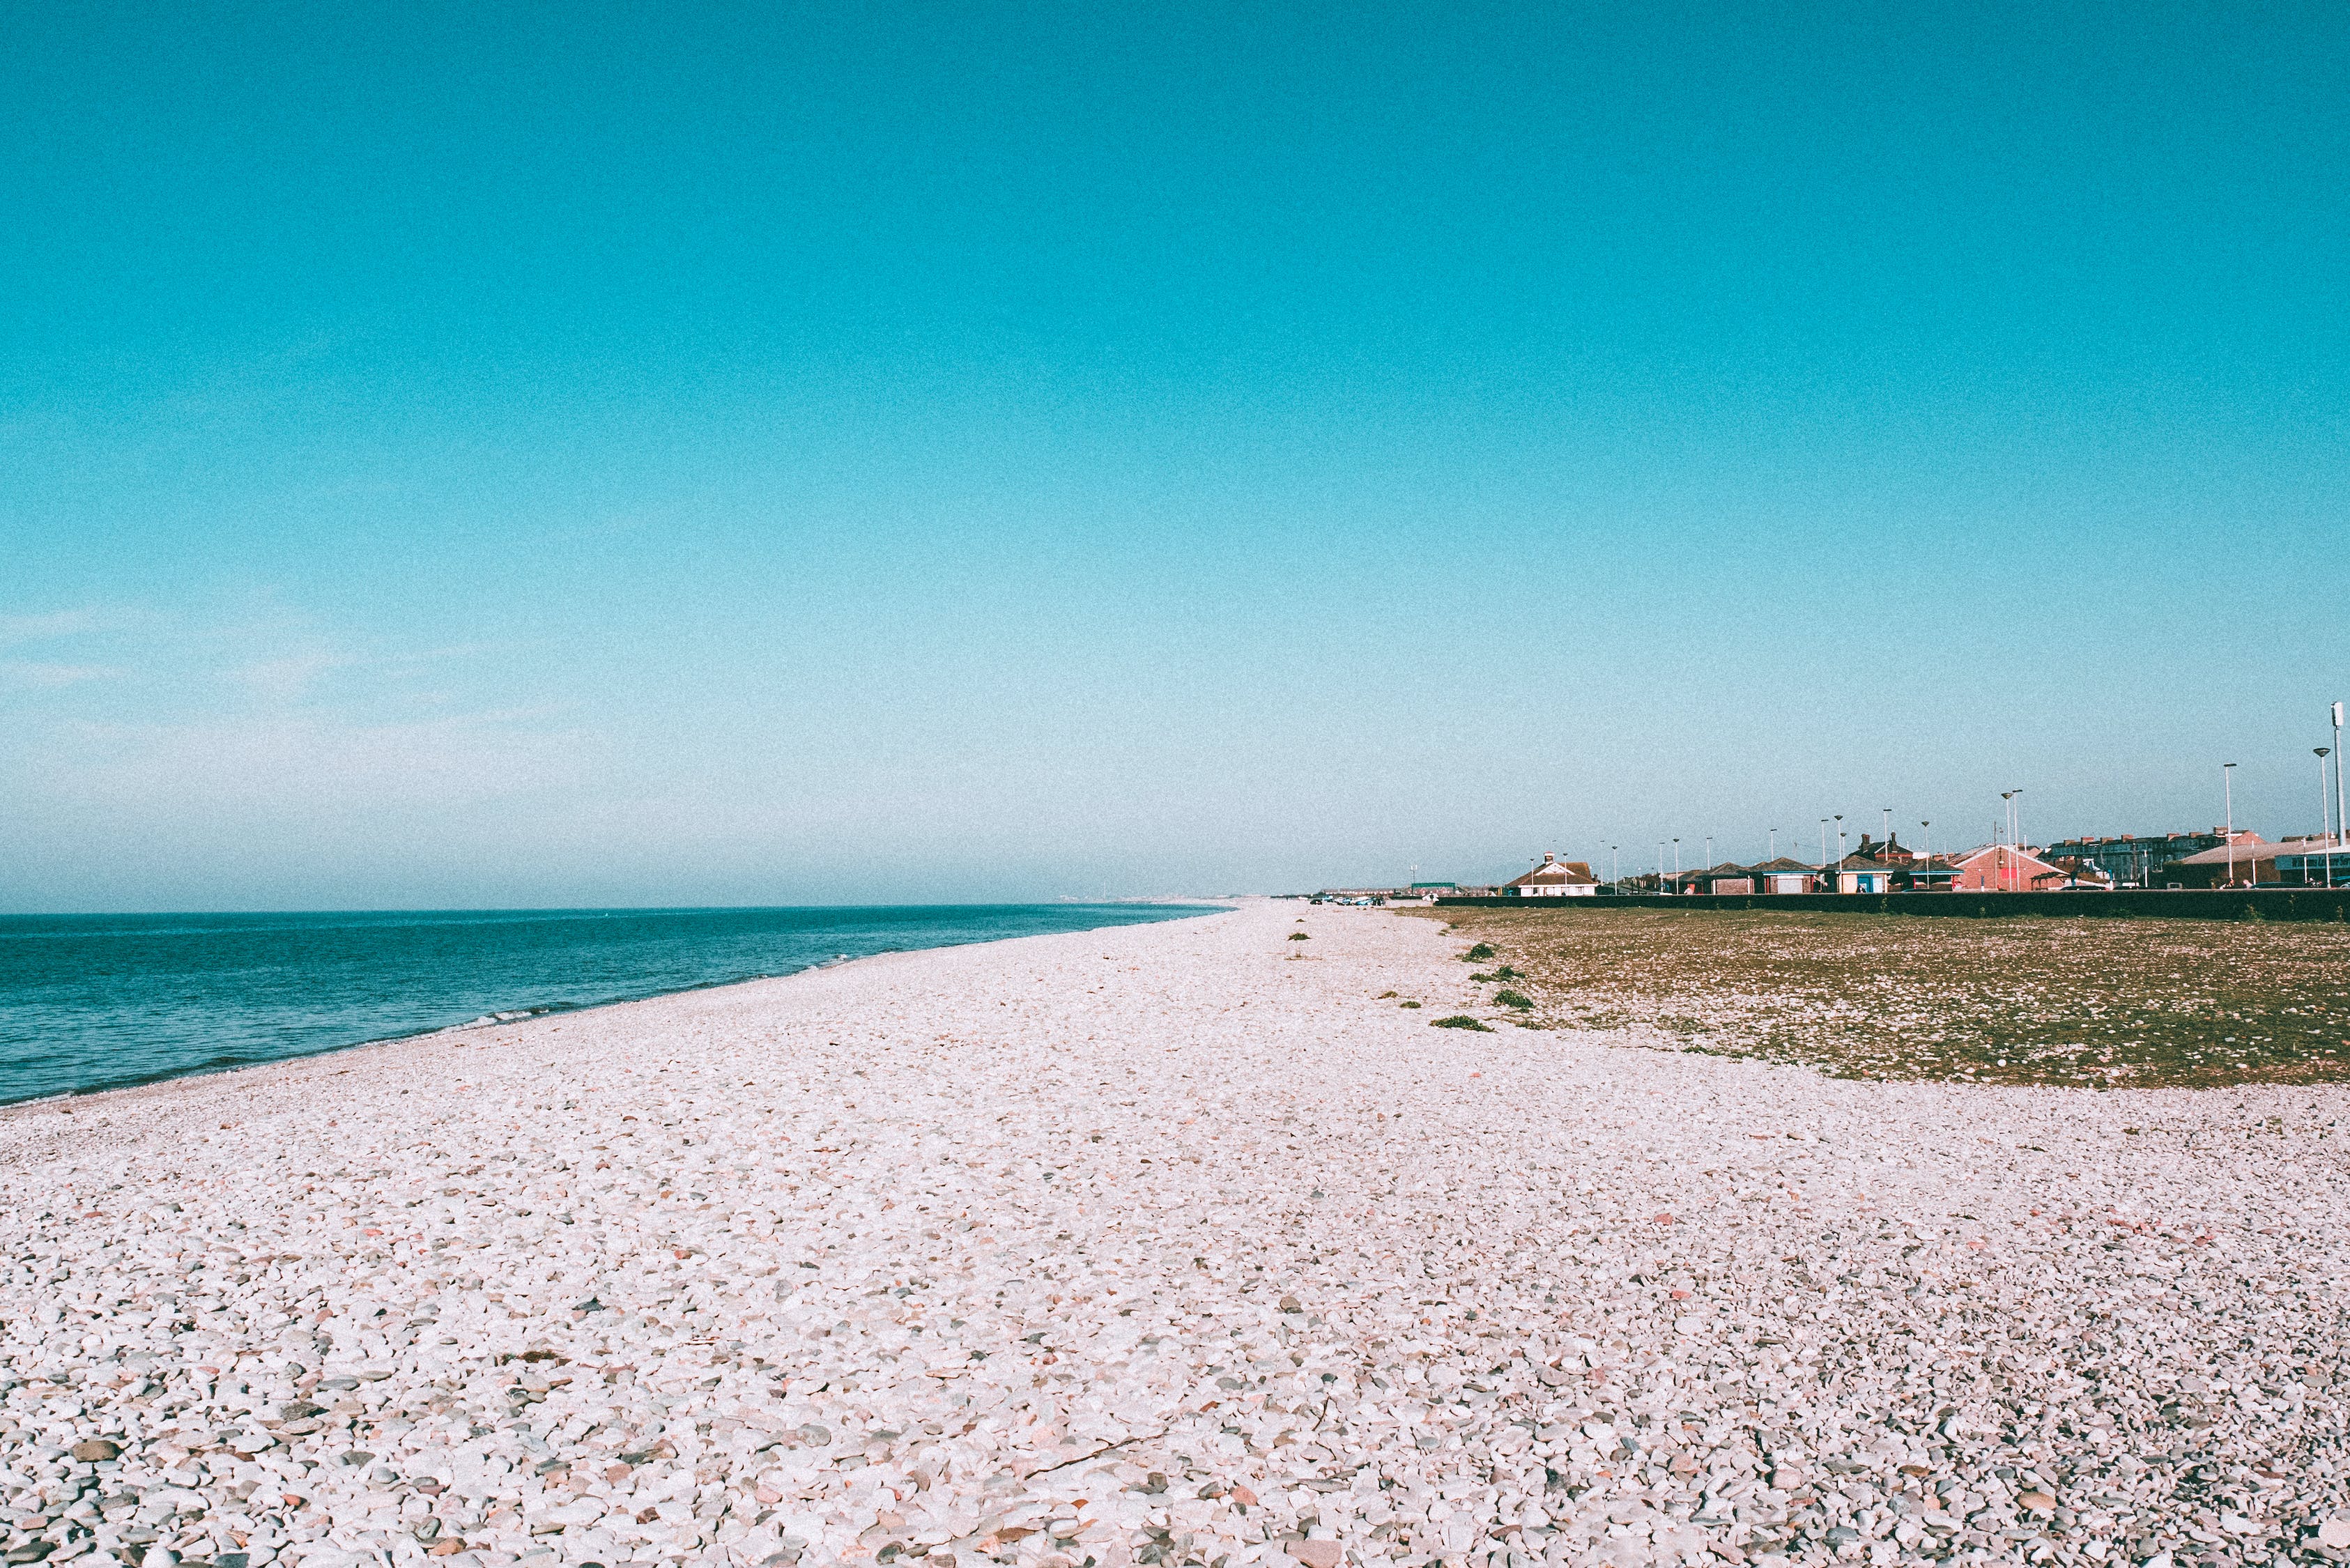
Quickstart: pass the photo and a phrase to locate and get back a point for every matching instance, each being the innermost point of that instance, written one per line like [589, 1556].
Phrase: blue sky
[499, 455]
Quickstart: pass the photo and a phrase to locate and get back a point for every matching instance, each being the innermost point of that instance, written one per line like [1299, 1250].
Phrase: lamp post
[2227, 795]
[1888, 824]
[1925, 845]
[1839, 859]
[1824, 848]
[1708, 851]
[1774, 846]
[2337, 789]
[1677, 865]
[1615, 870]
[2007, 827]
[2324, 834]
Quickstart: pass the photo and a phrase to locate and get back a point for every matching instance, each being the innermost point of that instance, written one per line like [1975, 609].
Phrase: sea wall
[2183, 904]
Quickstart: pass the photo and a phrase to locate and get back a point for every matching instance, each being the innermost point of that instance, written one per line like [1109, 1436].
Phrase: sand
[1176, 1244]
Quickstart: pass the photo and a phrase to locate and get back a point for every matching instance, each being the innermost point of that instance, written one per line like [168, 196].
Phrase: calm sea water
[96, 1002]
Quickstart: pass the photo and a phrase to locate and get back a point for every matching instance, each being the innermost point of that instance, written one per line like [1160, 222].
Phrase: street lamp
[1839, 859]
[2338, 829]
[1615, 870]
[2324, 835]
[1824, 845]
[2228, 794]
[1925, 845]
[1677, 865]
[1774, 846]
[2007, 827]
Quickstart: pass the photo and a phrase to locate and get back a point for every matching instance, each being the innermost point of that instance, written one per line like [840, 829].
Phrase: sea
[100, 1001]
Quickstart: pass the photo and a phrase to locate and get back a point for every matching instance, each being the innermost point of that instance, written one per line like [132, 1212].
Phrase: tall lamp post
[1839, 859]
[2227, 795]
[2324, 834]
[1774, 846]
[1824, 851]
[1926, 845]
[2338, 828]
[1677, 865]
[2007, 827]
[1615, 870]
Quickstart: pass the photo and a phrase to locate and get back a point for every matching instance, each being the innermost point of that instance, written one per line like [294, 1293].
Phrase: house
[1875, 868]
[1554, 878]
[1783, 876]
[2006, 868]
[1727, 878]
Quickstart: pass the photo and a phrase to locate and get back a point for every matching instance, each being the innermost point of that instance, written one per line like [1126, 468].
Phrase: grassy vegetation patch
[1460, 1021]
[2134, 1004]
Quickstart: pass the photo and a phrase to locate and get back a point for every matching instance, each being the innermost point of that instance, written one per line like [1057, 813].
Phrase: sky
[490, 455]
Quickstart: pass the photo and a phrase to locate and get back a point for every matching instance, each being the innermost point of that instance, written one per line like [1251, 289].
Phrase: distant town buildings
[2131, 860]
[2086, 865]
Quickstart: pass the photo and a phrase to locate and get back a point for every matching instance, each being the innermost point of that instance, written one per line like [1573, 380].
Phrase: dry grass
[2113, 1003]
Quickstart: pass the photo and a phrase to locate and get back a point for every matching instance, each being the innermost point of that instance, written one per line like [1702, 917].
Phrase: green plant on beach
[1407, 1004]
[1299, 937]
[1511, 999]
[1461, 1020]
[1482, 951]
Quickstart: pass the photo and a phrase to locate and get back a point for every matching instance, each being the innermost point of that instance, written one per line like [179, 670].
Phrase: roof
[1783, 864]
[2018, 851]
[2247, 847]
[1552, 873]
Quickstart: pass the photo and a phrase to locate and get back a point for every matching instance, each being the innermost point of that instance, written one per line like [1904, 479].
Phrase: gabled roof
[1783, 865]
[1553, 873]
[1971, 856]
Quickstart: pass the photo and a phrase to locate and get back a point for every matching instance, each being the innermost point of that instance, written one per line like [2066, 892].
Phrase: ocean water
[96, 1001]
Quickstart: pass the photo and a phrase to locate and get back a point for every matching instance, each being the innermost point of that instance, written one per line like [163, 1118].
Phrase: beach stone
[1315, 1553]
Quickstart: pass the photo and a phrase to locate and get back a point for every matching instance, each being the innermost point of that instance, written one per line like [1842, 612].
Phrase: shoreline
[509, 1016]
[1177, 1241]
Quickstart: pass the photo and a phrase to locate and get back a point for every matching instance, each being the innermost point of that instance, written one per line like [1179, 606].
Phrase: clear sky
[496, 455]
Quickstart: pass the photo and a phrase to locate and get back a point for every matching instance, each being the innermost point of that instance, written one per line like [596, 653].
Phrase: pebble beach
[1184, 1243]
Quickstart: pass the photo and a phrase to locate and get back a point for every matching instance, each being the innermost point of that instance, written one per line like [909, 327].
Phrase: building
[2294, 862]
[1874, 867]
[1728, 877]
[2131, 859]
[1783, 876]
[2005, 868]
[1554, 878]
[2313, 863]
